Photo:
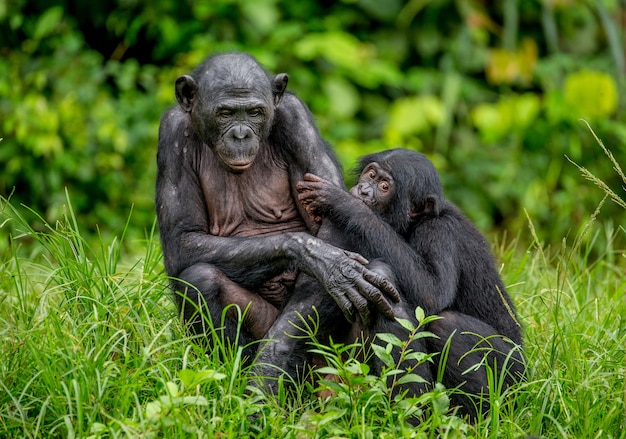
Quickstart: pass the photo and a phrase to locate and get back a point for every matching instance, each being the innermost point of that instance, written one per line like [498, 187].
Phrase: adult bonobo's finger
[358, 258]
[305, 197]
[347, 307]
[343, 302]
[302, 187]
[376, 297]
[382, 284]
[312, 177]
[361, 304]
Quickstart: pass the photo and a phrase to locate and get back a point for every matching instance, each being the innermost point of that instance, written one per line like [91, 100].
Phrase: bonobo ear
[186, 88]
[279, 84]
[429, 207]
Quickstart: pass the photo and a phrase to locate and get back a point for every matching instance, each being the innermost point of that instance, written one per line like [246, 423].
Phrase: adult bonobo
[232, 232]
[397, 212]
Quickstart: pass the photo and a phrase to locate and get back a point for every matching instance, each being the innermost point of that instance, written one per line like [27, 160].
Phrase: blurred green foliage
[492, 93]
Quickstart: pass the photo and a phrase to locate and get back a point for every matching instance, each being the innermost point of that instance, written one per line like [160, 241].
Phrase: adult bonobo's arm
[295, 131]
[426, 277]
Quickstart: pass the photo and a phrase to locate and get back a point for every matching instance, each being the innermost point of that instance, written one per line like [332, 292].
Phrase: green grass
[91, 346]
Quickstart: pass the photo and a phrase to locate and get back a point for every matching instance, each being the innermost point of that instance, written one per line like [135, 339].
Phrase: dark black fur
[441, 263]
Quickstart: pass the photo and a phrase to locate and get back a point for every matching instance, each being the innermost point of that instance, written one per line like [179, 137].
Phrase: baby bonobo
[440, 262]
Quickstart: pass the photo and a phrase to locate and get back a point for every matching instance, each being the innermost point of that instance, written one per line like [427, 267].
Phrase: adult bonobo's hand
[346, 278]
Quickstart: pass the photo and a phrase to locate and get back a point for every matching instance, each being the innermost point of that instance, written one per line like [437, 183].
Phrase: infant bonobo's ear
[429, 207]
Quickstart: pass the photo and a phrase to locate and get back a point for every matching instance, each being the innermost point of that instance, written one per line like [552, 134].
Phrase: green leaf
[193, 400]
[406, 324]
[425, 334]
[327, 370]
[48, 21]
[209, 375]
[171, 389]
[590, 94]
[153, 409]
[383, 355]
[394, 372]
[420, 357]
[411, 378]
[419, 313]
[187, 377]
[526, 110]
[390, 338]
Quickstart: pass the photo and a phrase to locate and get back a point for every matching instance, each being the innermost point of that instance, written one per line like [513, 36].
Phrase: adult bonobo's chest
[258, 201]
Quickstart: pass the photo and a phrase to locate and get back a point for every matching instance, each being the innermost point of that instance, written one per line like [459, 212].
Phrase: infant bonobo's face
[375, 187]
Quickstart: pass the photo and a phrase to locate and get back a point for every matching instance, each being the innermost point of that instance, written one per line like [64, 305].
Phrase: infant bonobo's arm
[372, 237]
[321, 199]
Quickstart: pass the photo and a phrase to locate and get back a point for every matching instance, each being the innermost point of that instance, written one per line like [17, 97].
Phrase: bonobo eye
[255, 112]
[371, 174]
[384, 186]
[225, 112]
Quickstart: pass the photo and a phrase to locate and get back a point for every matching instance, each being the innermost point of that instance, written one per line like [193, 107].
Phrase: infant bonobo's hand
[317, 195]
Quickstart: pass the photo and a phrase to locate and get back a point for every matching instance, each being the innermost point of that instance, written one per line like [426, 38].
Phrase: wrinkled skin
[229, 157]
[439, 261]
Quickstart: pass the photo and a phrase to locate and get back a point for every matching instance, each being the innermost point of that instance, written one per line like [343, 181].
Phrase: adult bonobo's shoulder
[296, 133]
[175, 126]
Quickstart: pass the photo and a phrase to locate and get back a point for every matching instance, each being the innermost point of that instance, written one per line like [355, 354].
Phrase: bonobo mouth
[367, 201]
[239, 166]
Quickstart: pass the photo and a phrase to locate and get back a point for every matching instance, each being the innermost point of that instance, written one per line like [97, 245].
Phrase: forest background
[492, 92]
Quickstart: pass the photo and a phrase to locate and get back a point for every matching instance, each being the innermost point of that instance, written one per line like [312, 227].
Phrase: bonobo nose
[365, 190]
[241, 132]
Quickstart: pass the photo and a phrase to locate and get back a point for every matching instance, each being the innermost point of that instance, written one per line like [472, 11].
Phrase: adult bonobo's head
[400, 185]
[231, 102]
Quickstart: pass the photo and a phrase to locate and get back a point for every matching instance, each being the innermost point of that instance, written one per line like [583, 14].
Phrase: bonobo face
[240, 122]
[375, 187]
[231, 102]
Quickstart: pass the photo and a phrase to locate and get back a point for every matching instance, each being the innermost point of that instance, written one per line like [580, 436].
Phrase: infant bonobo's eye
[371, 174]
[384, 186]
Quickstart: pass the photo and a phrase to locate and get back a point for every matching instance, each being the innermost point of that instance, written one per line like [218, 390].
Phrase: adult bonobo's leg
[204, 292]
[467, 346]
[286, 349]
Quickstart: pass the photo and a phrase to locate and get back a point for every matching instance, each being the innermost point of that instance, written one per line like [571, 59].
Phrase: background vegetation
[493, 92]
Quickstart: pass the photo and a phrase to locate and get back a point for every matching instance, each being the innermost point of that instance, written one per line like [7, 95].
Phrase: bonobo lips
[239, 166]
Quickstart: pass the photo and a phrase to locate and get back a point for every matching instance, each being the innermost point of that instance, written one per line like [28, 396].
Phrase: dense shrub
[492, 94]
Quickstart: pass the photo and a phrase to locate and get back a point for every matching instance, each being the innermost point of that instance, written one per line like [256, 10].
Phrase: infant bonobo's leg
[473, 346]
